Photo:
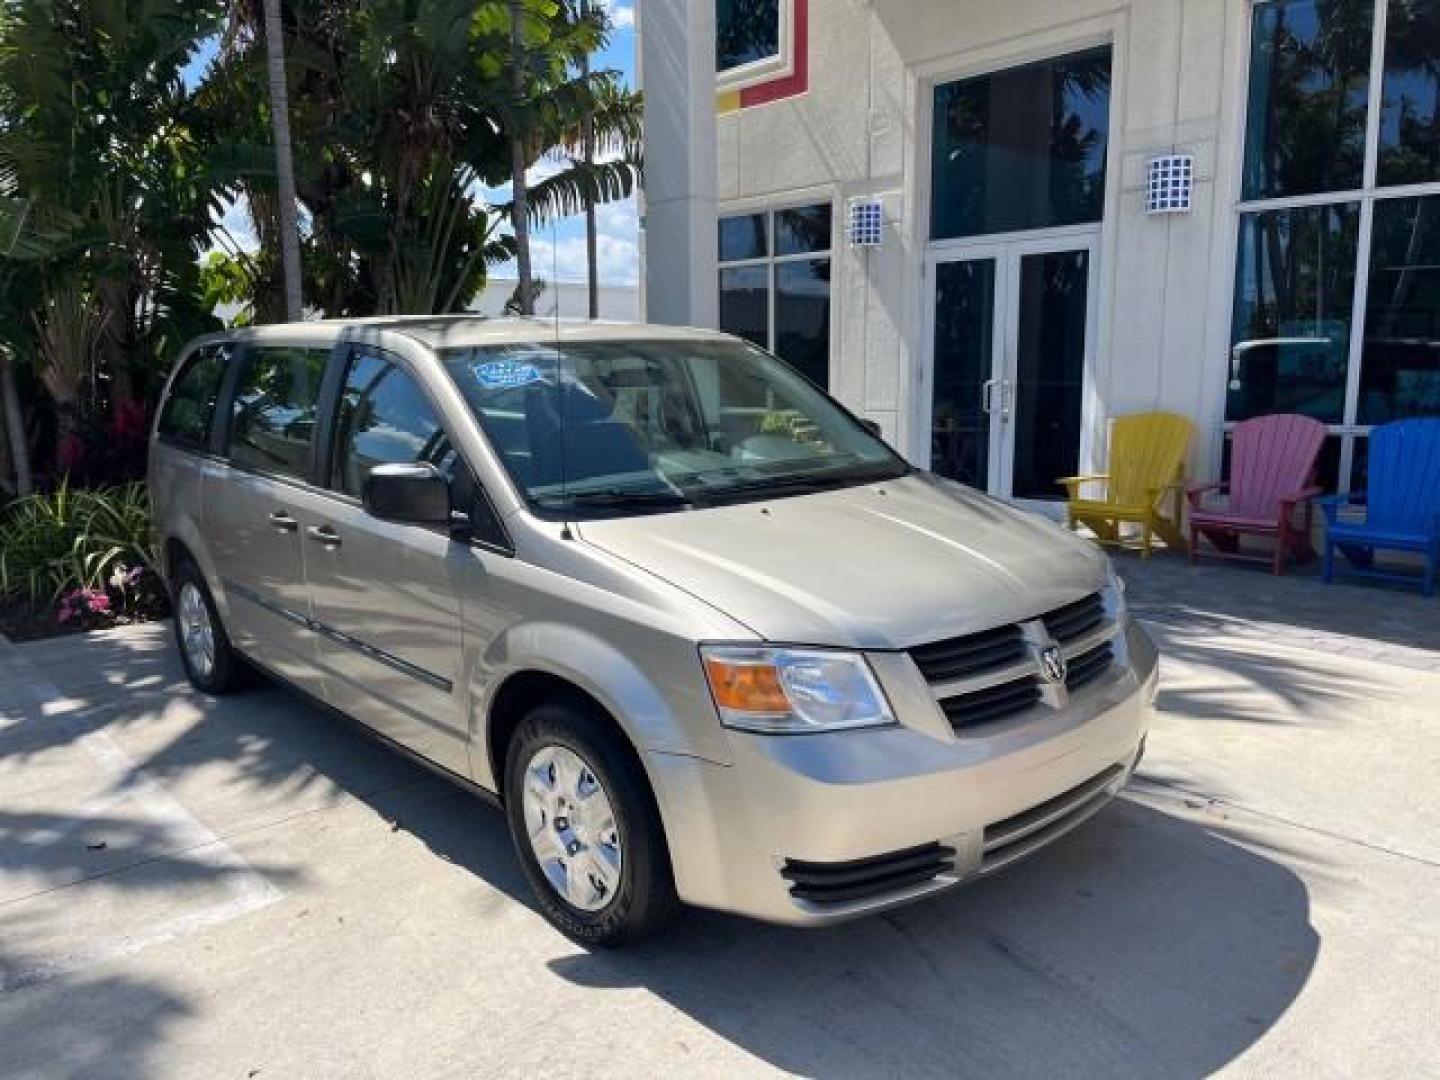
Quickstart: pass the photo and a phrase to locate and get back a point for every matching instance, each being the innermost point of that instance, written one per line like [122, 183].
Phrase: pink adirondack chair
[1272, 473]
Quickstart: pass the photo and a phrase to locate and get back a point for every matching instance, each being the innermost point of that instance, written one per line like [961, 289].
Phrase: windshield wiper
[619, 499]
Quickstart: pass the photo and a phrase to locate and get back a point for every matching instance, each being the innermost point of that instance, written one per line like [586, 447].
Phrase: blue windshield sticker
[505, 374]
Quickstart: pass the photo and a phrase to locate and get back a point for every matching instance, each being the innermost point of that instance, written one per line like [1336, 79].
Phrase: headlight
[793, 691]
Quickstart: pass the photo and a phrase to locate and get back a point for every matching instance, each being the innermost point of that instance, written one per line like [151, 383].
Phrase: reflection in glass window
[743, 236]
[1410, 115]
[964, 359]
[745, 303]
[1294, 289]
[746, 31]
[802, 230]
[1022, 149]
[780, 301]
[802, 317]
[384, 419]
[1400, 367]
[1309, 92]
[274, 409]
[190, 407]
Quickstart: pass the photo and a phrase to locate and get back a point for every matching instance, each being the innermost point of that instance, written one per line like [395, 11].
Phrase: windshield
[623, 427]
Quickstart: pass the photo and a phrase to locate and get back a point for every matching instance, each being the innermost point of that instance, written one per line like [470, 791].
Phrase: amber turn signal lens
[746, 687]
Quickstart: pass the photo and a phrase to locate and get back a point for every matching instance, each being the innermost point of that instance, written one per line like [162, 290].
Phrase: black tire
[645, 898]
[227, 671]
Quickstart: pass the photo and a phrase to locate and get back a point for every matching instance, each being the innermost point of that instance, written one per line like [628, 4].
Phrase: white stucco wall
[863, 129]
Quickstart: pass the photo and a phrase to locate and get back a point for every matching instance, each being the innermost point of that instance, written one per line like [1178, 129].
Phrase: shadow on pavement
[1142, 945]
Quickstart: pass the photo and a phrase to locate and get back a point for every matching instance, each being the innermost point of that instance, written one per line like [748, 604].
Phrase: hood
[883, 566]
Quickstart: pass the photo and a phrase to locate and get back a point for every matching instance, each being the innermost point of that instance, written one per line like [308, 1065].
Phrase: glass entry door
[1013, 331]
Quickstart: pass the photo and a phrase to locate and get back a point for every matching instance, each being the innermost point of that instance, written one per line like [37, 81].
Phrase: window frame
[328, 444]
[1367, 197]
[770, 261]
[207, 445]
[768, 68]
[224, 435]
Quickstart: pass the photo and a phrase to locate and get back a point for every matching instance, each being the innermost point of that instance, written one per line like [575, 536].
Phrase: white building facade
[1220, 208]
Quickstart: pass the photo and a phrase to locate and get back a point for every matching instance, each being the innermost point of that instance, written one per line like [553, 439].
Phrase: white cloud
[622, 16]
[557, 253]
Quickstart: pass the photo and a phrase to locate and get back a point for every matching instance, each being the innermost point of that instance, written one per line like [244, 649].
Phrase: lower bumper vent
[865, 879]
[1015, 837]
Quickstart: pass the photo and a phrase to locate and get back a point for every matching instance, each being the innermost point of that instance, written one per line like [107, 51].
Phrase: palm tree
[519, 191]
[284, 161]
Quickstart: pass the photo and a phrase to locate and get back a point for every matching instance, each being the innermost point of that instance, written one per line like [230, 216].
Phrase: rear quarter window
[188, 415]
[275, 409]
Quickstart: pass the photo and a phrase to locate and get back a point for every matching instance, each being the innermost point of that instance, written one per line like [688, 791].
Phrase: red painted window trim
[799, 80]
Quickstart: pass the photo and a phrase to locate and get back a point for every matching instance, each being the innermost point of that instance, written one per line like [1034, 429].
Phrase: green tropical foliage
[75, 539]
[119, 159]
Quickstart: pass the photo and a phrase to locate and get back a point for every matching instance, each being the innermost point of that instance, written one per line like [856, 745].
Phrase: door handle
[987, 396]
[324, 535]
[1007, 398]
[283, 521]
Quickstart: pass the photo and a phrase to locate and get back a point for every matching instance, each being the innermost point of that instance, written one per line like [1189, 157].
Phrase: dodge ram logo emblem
[1052, 664]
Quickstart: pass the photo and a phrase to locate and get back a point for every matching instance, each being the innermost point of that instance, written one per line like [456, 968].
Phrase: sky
[558, 251]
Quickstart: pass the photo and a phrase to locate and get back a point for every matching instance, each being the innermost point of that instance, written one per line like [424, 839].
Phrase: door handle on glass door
[283, 521]
[987, 396]
[324, 535]
[1007, 398]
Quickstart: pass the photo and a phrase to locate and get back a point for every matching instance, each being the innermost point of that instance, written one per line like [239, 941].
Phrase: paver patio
[276, 895]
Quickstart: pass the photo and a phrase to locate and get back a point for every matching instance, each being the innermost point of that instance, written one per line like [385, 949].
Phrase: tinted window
[1294, 290]
[274, 410]
[802, 317]
[802, 230]
[1309, 91]
[1022, 149]
[190, 408]
[745, 303]
[1410, 114]
[745, 31]
[1400, 372]
[384, 419]
[743, 237]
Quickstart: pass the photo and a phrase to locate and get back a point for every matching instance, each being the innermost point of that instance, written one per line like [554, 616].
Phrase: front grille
[974, 654]
[992, 703]
[1075, 620]
[1017, 836]
[866, 879]
[1089, 666]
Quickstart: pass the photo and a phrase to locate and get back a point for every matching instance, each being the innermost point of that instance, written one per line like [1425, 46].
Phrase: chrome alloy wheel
[572, 828]
[197, 635]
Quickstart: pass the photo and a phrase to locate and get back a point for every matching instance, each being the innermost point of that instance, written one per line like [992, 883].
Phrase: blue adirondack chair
[1402, 507]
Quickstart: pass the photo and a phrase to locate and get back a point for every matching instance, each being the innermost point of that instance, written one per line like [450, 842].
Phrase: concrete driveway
[252, 889]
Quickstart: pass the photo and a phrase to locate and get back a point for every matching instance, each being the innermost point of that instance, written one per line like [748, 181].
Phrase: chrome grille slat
[986, 676]
[1087, 667]
[973, 654]
[992, 703]
[1073, 620]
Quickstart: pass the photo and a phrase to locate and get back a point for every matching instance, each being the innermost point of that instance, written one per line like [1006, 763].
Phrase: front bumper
[810, 830]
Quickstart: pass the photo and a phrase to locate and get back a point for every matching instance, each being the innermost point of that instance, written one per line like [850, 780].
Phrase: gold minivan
[704, 636]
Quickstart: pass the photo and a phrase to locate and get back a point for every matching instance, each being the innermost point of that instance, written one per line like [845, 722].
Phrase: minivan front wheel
[210, 661]
[586, 828]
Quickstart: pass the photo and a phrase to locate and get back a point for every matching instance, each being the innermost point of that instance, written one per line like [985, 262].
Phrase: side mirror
[413, 494]
[873, 428]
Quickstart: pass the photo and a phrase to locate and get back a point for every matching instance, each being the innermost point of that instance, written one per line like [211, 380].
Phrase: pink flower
[97, 601]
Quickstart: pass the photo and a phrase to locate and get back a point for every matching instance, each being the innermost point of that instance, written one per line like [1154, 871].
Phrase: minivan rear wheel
[211, 663]
[586, 828]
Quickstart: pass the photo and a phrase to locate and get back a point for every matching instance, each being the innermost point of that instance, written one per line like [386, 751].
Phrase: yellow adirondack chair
[1147, 463]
